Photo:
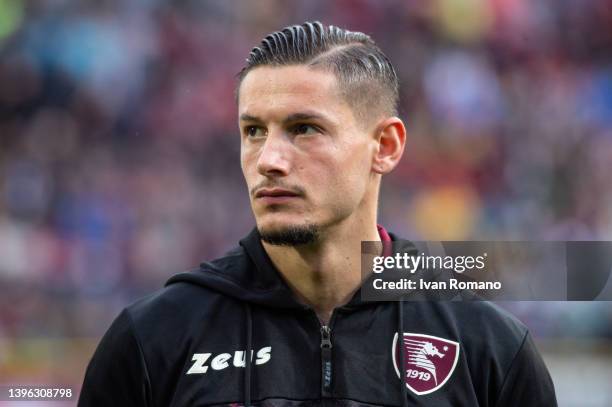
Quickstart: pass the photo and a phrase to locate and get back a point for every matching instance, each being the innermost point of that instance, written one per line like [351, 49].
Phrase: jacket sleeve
[527, 382]
[117, 373]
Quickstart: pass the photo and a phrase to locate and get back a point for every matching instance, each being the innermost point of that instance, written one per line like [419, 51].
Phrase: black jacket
[185, 346]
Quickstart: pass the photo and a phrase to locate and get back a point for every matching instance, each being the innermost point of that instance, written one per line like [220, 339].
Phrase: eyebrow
[248, 118]
[294, 117]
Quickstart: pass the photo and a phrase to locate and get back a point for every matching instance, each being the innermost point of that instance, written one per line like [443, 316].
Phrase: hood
[245, 273]
[248, 274]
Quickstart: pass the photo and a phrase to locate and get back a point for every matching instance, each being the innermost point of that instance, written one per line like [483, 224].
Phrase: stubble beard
[291, 236]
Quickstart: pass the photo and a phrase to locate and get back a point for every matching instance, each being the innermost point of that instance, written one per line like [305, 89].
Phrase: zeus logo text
[223, 360]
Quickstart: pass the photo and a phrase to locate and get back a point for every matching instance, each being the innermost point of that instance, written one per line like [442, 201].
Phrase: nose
[274, 157]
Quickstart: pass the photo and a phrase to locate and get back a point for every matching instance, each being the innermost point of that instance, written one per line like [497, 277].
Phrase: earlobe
[391, 139]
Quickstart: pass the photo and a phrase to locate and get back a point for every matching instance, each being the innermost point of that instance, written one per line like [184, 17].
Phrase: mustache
[268, 184]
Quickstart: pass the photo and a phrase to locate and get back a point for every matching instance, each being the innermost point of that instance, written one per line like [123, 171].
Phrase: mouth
[275, 195]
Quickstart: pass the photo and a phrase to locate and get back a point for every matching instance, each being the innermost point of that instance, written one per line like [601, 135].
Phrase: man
[279, 320]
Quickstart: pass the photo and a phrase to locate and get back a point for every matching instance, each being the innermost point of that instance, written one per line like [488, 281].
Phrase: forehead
[277, 91]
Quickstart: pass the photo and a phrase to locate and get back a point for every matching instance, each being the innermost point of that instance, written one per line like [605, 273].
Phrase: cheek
[355, 161]
[348, 174]
[360, 173]
[247, 163]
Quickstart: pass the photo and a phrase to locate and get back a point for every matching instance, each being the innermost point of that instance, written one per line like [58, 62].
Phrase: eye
[254, 132]
[304, 129]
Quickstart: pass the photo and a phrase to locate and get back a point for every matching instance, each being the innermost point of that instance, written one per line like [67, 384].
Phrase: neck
[325, 275]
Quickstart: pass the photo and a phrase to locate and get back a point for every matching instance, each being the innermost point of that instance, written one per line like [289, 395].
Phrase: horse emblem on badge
[429, 361]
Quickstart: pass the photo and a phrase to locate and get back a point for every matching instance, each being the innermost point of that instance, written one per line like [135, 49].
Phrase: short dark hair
[366, 76]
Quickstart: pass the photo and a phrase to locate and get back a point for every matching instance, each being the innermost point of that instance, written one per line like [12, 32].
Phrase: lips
[275, 193]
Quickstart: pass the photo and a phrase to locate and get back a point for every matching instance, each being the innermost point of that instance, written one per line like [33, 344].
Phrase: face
[306, 161]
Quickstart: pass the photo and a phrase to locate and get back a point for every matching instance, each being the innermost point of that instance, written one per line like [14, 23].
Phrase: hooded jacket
[187, 345]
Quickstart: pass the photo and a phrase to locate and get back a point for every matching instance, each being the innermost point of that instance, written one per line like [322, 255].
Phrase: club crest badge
[429, 361]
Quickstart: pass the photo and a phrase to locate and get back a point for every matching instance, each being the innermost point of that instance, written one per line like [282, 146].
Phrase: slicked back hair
[366, 78]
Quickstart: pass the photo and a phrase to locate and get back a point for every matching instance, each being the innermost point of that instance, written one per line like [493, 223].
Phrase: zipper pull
[326, 337]
[326, 361]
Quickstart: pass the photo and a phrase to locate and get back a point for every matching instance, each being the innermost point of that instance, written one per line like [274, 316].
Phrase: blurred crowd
[119, 147]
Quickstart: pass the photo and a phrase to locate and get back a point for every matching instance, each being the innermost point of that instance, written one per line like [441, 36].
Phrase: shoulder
[169, 298]
[171, 308]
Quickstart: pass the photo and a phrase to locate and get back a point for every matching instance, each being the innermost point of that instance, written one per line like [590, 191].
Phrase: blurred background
[119, 153]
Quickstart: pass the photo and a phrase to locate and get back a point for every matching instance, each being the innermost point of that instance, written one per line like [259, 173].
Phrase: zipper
[326, 355]
[326, 361]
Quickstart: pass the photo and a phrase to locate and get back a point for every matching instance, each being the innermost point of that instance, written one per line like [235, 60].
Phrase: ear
[390, 139]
